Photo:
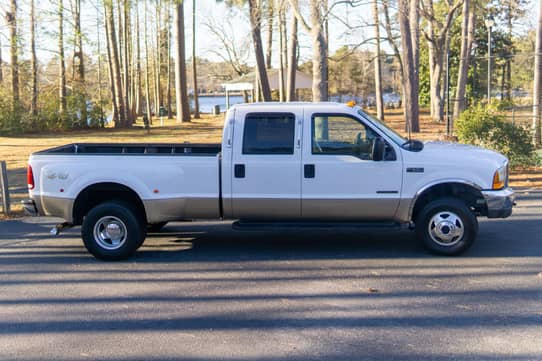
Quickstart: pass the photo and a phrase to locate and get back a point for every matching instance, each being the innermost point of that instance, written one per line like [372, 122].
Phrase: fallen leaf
[464, 307]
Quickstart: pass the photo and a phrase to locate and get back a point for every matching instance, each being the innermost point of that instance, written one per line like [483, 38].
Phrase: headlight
[500, 178]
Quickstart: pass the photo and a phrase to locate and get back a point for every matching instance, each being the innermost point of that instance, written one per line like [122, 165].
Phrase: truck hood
[443, 161]
[460, 153]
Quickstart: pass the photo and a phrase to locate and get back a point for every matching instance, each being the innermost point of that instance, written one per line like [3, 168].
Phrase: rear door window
[269, 133]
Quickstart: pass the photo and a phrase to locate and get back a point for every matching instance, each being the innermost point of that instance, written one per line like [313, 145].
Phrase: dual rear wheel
[113, 231]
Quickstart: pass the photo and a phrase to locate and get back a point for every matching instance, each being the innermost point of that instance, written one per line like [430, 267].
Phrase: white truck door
[266, 165]
[340, 180]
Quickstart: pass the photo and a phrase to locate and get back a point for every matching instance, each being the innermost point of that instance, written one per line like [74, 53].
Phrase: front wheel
[447, 226]
[112, 231]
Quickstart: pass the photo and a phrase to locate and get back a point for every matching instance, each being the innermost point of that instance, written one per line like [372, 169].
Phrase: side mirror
[379, 148]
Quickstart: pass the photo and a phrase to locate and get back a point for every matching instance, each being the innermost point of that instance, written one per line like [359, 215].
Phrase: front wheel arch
[469, 194]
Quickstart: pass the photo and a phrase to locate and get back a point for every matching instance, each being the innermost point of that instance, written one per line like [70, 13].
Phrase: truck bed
[135, 149]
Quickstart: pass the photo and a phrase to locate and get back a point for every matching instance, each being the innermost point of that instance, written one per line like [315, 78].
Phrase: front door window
[341, 135]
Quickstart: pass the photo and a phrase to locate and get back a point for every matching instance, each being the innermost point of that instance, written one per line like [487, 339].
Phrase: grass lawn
[15, 150]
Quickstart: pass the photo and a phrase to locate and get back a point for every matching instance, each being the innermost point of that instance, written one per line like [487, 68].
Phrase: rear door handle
[309, 171]
[239, 171]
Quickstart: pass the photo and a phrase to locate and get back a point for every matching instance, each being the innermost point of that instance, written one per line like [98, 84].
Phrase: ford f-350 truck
[290, 164]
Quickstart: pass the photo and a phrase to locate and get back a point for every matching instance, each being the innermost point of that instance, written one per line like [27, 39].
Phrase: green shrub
[484, 126]
[19, 120]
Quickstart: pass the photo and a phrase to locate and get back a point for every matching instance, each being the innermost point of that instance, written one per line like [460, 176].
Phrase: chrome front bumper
[499, 203]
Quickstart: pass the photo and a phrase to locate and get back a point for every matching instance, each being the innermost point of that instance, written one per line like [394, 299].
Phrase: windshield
[396, 137]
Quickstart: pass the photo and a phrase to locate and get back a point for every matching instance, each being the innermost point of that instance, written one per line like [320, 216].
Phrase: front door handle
[239, 171]
[309, 171]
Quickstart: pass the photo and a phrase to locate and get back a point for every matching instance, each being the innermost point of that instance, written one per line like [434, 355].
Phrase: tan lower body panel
[350, 209]
[55, 207]
[162, 210]
[266, 208]
[392, 209]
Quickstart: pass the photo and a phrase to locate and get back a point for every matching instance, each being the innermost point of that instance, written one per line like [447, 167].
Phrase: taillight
[30, 177]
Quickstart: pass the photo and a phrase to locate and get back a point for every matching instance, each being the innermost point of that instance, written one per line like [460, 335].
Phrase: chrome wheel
[446, 228]
[110, 232]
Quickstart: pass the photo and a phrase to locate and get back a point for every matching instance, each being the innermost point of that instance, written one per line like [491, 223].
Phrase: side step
[279, 226]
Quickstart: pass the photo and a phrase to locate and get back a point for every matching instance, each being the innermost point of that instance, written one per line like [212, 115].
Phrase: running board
[276, 226]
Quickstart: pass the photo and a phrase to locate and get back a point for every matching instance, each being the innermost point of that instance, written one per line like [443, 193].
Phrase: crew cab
[289, 164]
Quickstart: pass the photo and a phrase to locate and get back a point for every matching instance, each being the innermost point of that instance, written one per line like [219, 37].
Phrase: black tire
[446, 226]
[156, 227]
[113, 231]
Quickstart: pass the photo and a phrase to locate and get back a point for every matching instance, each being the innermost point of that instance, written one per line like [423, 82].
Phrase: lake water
[206, 103]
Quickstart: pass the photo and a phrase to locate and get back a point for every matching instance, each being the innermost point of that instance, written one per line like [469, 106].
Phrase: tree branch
[299, 16]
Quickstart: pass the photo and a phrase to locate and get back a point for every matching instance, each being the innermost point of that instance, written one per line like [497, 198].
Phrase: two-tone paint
[274, 187]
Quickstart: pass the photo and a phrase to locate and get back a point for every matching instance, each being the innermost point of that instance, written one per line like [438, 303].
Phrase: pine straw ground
[15, 150]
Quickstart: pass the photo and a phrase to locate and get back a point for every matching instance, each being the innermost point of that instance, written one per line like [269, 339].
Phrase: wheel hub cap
[110, 233]
[446, 228]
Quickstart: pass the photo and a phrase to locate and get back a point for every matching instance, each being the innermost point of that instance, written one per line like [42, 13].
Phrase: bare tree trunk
[255, 23]
[181, 93]
[467, 37]
[132, 67]
[409, 77]
[378, 71]
[292, 62]
[318, 31]
[537, 87]
[437, 40]
[320, 86]
[282, 58]
[147, 77]
[435, 45]
[158, 61]
[444, 80]
[414, 22]
[120, 39]
[100, 100]
[115, 65]
[510, 53]
[78, 54]
[126, 61]
[397, 54]
[270, 15]
[435, 85]
[33, 61]
[389, 36]
[114, 104]
[194, 66]
[1, 64]
[61, 61]
[257, 88]
[503, 80]
[168, 62]
[11, 20]
[138, 104]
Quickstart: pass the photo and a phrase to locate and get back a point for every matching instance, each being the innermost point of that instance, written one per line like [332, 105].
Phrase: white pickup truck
[293, 164]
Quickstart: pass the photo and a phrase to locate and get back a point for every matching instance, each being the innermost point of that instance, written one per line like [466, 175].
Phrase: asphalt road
[205, 292]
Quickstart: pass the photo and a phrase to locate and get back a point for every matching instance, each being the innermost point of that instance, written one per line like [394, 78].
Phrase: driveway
[201, 291]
